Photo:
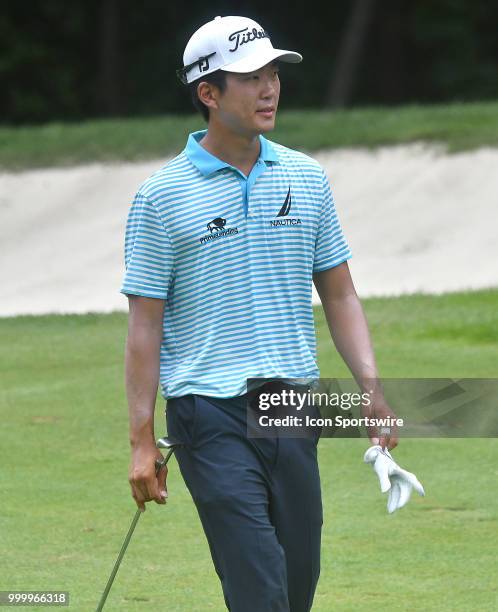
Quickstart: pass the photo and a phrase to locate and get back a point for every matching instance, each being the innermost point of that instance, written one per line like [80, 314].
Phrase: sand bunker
[416, 218]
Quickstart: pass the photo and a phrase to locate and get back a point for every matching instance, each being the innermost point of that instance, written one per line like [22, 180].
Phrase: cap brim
[258, 60]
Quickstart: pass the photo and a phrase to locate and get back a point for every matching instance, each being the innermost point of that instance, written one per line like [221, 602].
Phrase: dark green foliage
[72, 60]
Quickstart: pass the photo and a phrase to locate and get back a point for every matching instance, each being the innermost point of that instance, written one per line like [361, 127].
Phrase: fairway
[66, 504]
[458, 127]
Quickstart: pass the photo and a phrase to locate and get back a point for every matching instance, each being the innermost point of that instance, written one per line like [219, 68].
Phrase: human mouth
[267, 112]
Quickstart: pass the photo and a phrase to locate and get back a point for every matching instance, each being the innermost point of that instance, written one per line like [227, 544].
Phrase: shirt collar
[207, 163]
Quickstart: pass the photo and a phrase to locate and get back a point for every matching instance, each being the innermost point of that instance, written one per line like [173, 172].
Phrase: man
[222, 246]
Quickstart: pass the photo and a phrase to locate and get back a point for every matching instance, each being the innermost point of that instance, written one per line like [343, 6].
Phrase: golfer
[222, 246]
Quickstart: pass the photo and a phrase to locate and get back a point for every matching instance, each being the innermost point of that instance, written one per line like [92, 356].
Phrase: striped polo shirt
[233, 257]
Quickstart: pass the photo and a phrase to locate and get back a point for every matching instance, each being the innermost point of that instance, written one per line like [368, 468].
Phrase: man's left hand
[379, 409]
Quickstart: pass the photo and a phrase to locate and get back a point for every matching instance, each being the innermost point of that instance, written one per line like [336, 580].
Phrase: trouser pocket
[181, 419]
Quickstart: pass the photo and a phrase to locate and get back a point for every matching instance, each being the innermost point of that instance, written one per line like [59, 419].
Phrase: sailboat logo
[284, 211]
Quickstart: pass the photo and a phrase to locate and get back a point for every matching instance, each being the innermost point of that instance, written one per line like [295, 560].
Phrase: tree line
[64, 60]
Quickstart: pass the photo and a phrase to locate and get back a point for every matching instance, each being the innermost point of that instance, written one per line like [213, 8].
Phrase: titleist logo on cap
[219, 45]
[241, 39]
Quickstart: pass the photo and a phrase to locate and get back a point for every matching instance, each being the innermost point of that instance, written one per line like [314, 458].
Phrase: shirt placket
[256, 172]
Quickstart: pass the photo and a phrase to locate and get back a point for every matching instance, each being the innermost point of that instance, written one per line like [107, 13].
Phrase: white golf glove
[392, 478]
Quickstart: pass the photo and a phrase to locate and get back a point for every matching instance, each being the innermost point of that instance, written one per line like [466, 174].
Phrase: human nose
[270, 87]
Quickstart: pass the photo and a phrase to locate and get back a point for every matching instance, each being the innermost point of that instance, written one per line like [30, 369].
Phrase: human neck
[238, 150]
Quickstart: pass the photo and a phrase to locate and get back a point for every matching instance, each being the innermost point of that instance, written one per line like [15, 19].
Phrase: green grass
[451, 335]
[65, 498]
[457, 126]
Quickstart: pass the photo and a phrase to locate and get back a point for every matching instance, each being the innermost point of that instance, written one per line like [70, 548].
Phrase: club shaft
[159, 465]
[119, 559]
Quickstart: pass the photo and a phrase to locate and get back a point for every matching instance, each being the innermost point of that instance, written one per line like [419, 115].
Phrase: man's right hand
[145, 484]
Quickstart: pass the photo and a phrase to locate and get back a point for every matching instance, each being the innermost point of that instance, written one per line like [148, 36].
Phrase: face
[249, 103]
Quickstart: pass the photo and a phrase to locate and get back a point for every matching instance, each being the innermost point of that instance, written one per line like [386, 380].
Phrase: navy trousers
[259, 502]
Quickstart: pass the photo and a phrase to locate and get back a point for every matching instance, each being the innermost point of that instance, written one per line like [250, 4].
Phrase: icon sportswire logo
[217, 229]
[284, 212]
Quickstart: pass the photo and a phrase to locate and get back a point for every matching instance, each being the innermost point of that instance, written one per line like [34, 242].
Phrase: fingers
[404, 495]
[371, 454]
[417, 485]
[384, 440]
[153, 486]
[154, 491]
[385, 435]
[381, 468]
[414, 482]
[402, 483]
[147, 486]
[140, 494]
[373, 434]
[147, 491]
[138, 497]
[161, 481]
[394, 494]
[389, 441]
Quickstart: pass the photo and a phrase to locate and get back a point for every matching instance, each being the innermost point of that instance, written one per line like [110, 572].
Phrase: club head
[168, 443]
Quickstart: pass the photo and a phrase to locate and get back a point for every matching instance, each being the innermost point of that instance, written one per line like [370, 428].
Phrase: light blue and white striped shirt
[233, 256]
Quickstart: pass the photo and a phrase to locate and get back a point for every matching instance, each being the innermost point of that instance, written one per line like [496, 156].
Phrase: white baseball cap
[233, 44]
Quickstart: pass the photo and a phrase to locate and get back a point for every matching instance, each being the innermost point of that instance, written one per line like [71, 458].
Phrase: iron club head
[168, 443]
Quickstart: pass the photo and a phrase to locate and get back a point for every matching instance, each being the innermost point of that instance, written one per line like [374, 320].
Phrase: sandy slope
[416, 220]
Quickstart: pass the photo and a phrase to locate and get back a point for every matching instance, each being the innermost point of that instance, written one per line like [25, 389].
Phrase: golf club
[170, 445]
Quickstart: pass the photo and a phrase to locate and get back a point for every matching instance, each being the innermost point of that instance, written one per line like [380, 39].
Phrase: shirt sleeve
[331, 247]
[148, 252]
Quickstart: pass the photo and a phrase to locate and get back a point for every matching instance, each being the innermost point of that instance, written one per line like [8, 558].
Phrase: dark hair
[217, 78]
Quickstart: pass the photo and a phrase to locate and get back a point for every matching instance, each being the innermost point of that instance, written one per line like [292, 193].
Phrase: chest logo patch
[284, 212]
[217, 229]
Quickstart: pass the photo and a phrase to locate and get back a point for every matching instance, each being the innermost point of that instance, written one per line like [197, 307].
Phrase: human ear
[208, 94]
